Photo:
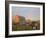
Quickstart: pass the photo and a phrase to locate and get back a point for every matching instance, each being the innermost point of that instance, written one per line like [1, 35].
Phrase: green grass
[21, 27]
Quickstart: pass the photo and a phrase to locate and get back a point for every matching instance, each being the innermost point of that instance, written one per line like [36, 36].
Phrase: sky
[28, 12]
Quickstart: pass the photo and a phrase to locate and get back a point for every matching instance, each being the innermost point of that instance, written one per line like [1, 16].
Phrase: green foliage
[22, 19]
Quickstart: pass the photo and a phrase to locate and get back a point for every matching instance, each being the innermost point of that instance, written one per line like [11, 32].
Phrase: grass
[21, 27]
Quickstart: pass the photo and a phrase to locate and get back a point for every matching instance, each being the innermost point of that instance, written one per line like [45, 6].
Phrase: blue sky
[31, 12]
